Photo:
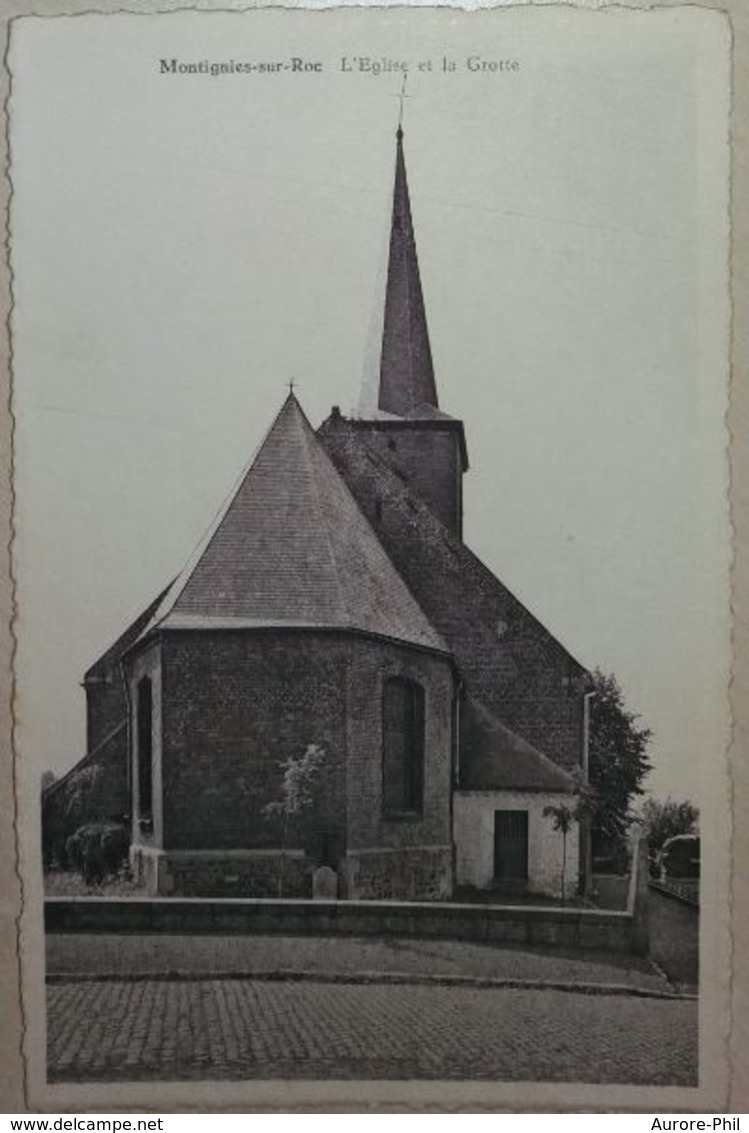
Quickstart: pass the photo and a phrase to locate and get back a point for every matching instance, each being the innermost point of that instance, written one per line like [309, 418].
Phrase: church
[334, 607]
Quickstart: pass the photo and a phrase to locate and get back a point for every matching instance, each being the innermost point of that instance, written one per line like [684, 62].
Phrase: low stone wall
[529, 926]
[382, 874]
[610, 890]
[228, 875]
[674, 931]
[404, 874]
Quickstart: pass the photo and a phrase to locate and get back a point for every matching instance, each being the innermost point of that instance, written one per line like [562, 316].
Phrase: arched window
[144, 710]
[402, 747]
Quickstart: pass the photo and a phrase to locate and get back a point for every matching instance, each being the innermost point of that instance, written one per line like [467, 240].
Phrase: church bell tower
[423, 444]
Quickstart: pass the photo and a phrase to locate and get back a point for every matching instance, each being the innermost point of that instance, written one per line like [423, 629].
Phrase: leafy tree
[666, 819]
[618, 760]
[564, 817]
[566, 814]
[299, 784]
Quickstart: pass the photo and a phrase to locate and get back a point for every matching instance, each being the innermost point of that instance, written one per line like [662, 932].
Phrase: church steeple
[425, 446]
[406, 370]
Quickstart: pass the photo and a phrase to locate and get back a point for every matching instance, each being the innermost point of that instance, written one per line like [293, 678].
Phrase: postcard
[371, 556]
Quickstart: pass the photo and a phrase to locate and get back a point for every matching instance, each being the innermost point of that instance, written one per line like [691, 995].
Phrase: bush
[98, 850]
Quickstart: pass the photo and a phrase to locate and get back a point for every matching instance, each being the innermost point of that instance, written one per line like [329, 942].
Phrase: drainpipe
[586, 857]
[456, 726]
[587, 697]
[129, 748]
[455, 777]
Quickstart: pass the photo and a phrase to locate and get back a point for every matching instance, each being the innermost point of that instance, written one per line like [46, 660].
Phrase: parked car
[680, 857]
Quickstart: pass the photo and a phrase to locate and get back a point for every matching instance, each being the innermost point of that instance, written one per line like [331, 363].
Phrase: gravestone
[324, 884]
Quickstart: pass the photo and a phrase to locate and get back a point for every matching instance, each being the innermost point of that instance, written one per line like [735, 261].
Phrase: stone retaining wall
[588, 929]
[674, 929]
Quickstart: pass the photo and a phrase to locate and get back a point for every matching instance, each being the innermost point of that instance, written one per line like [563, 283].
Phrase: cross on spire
[402, 96]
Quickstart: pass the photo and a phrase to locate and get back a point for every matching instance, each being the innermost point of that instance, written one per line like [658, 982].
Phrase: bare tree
[300, 776]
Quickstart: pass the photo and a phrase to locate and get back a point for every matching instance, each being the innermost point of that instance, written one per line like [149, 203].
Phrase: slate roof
[406, 369]
[493, 757]
[112, 655]
[292, 548]
[503, 652]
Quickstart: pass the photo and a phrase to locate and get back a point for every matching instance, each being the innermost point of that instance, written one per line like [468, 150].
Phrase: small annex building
[334, 604]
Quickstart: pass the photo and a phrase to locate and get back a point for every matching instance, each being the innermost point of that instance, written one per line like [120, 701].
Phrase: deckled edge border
[15, 1085]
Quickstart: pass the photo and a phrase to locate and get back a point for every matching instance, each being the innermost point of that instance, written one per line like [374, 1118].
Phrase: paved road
[121, 956]
[242, 1028]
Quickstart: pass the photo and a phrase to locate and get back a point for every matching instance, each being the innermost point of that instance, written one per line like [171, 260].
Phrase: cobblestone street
[235, 1028]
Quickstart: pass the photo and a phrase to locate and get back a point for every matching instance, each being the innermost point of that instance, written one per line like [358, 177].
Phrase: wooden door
[511, 847]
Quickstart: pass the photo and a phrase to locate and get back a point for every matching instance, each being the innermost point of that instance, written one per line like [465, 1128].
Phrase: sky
[183, 244]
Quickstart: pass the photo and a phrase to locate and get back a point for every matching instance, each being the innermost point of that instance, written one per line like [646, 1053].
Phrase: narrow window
[403, 747]
[145, 749]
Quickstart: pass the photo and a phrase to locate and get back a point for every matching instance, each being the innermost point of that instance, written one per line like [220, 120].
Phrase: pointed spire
[406, 371]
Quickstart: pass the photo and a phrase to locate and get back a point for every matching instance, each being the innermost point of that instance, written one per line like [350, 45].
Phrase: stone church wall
[230, 873]
[106, 704]
[409, 858]
[237, 704]
[106, 699]
[427, 458]
[420, 874]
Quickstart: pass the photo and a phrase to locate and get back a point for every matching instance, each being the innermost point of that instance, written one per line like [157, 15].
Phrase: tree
[667, 819]
[299, 783]
[617, 761]
[565, 814]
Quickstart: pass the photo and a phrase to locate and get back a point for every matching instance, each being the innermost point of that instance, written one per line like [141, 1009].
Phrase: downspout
[586, 858]
[587, 696]
[129, 746]
[456, 725]
[455, 774]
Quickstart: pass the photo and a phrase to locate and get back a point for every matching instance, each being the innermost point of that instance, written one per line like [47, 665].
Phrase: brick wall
[507, 658]
[373, 662]
[426, 456]
[106, 704]
[238, 873]
[237, 703]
